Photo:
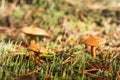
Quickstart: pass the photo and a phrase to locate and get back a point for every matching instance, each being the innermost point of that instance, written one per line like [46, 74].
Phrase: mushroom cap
[36, 31]
[94, 41]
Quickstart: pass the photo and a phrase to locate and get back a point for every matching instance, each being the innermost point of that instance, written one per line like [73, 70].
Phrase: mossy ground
[66, 21]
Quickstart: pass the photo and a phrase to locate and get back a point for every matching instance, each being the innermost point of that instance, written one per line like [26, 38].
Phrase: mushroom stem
[93, 51]
[32, 42]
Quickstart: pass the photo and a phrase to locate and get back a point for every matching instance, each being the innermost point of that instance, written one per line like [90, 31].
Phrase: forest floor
[62, 55]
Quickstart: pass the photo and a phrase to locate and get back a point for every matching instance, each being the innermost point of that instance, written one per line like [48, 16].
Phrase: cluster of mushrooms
[34, 31]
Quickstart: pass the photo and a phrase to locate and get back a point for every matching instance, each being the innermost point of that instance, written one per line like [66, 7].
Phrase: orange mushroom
[37, 48]
[33, 32]
[94, 42]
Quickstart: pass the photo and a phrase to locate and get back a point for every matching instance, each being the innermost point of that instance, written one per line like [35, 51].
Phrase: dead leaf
[48, 76]
[72, 2]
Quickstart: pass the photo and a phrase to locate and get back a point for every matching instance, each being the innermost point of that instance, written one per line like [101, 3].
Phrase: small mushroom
[38, 48]
[94, 42]
[33, 32]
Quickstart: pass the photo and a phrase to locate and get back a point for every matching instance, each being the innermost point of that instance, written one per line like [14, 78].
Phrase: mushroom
[37, 48]
[33, 32]
[94, 42]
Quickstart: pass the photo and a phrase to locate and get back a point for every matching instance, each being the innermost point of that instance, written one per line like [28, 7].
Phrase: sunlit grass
[78, 65]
